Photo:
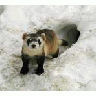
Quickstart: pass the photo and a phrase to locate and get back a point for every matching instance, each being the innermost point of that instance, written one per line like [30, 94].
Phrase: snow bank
[75, 69]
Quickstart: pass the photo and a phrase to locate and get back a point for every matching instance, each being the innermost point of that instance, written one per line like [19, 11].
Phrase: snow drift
[74, 69]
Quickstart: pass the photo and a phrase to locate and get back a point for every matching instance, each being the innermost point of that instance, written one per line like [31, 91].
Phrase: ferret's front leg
[40, 61]
[24, 69]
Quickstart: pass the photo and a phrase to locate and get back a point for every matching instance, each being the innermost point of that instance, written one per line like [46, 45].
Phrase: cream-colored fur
[59, 42]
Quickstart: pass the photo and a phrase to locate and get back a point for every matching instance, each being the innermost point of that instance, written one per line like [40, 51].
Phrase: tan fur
[50, 44]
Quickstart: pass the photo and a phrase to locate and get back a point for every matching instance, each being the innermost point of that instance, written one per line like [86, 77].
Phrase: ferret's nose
[33, 45]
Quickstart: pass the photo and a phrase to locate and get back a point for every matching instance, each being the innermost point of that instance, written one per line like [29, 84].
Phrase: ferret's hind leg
[55, 55]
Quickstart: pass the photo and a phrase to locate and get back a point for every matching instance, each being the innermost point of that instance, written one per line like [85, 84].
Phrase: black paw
[39, 71]
[24, 70]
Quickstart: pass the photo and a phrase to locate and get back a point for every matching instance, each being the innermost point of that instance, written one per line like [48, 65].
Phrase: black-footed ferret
[39, 45]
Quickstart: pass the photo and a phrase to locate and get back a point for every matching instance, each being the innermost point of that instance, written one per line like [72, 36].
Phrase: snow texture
[74, 69]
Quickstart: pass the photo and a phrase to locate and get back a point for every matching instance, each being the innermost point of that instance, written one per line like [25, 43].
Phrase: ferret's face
[34, 42]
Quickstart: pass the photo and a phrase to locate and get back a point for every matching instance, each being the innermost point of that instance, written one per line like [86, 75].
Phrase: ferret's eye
[28, 41]
[39, 41]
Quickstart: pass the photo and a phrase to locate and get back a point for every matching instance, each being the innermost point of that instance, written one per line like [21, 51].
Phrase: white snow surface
[73, 70]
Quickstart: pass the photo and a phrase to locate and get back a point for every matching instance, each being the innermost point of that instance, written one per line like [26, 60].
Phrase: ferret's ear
[24, 36]
[43, 36]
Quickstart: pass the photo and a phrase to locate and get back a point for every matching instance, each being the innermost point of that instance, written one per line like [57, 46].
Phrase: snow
[73, 70]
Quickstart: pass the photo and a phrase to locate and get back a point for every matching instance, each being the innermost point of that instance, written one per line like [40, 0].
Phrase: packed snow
[73, 70]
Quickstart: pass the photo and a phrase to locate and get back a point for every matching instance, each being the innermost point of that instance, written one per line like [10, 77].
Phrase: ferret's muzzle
[33, 46]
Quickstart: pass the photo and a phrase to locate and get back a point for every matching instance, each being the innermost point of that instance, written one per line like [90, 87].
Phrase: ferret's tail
[62, 42]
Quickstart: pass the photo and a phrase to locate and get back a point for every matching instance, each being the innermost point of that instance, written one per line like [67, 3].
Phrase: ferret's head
[33, 40]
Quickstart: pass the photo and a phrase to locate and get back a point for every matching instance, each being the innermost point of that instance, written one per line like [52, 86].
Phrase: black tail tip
[65, 43]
